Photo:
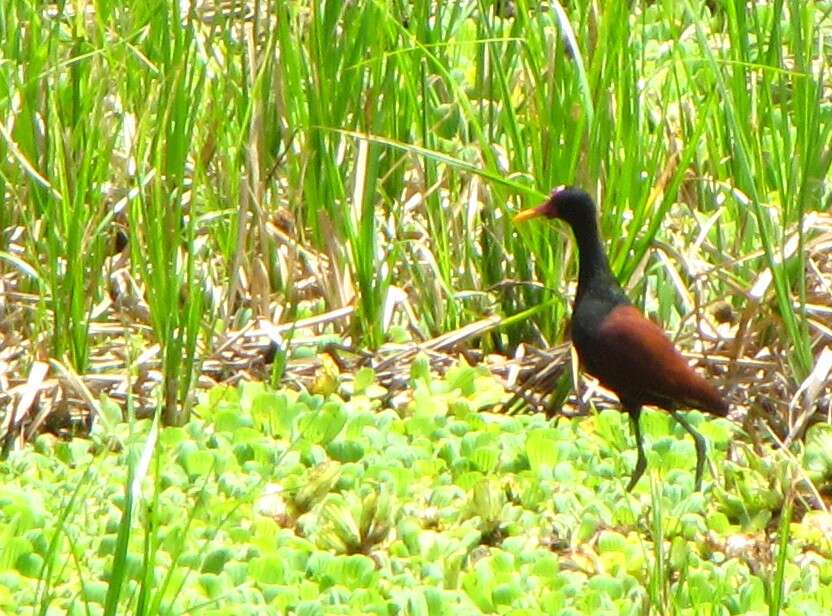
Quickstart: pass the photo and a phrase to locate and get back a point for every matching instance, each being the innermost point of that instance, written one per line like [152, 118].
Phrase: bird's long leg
[634, 412]
[700, 447]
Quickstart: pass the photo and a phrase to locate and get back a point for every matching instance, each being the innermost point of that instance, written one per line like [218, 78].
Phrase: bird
[629, 354]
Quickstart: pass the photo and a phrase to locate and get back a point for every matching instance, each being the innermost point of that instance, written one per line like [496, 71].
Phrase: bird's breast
[589, 344]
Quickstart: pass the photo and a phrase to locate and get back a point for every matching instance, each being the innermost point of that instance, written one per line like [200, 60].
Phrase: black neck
[593, 267]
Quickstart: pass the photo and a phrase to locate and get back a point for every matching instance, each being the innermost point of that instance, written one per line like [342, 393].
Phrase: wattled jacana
[629, 354]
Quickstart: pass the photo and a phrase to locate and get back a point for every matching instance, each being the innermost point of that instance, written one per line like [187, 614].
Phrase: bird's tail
[707, 398]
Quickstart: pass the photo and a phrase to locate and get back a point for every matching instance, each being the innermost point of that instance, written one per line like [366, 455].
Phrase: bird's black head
[570, 204]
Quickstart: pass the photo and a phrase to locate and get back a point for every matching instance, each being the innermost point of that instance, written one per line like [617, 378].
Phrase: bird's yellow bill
[532, 212]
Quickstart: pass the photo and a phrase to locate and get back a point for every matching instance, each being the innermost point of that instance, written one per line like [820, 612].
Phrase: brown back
[640, 364]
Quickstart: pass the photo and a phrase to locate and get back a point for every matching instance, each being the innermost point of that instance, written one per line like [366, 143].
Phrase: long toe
[700, 460]
[699, 443]
[641, 460]
[638, 471]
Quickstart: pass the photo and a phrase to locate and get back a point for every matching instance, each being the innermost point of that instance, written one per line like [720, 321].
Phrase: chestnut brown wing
[639, 363]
